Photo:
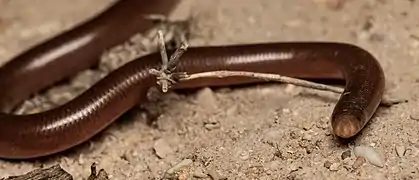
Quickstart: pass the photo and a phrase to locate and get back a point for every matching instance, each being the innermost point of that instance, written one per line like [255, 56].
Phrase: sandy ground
[257, 132]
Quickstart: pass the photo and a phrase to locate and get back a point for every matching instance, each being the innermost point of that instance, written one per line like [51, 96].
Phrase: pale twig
[267, 77]
[166, 77]
[163, 52]
[276, 78]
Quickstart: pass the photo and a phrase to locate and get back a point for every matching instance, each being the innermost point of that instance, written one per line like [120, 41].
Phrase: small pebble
[60, 94]
[286, 111]
[141, 166]
[292, 23]
[334, 167]
[346, 154]
[293, 167]
[358, 162]
[127, 156]
[273, 165]
[244, 155]
[177, 167]
[327, 164]
[307, 125]
[307, 136]
[207, 100]
[369, 154]
[199, 173]
[214, 175]
[346, 161]
[332, 4]
[400, 150]
[323, 124]
[273, 136]
[375, 37]
[183, 175]
[414, 116]
[162, 148]
[231, 111]
[379, 176]
[293, 135]
[212, 125]
[85, 79]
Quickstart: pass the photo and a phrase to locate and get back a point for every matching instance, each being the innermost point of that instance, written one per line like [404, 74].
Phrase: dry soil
[271, 131]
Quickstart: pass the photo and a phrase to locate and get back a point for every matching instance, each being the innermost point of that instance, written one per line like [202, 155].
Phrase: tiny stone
[293, 135]
[177, 167]
[212, 121]
[307, 137]
[370, 154]
[211, 126]
[199, 173]
[376, 37]
[400, 150]
[307, 125]
[85, 79]
[278, 154]
[379, 176]
[37, 110]
[244, 155]
[141, 167]
[327, 164]
[413, 141]
[231, 110]
[137, 38]
[273, 136]
[273, 165]
[358, 162]
[128, 157]
[293, 167]
[214, 174]
[322, 125]
[286, 111]
[183, 175]
[207, 100]
[414, 116]
[162, 148]
[224, 90]
[60, 94]
[346, 161]
[293, 23]
[327, 133]
[346, 154]
[332, 4]
[334, 167]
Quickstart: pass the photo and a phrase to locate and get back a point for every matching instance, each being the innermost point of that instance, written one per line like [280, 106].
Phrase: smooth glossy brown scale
[53, 131]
